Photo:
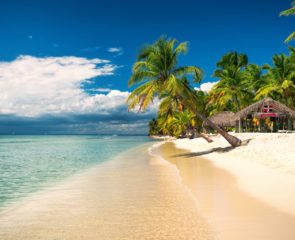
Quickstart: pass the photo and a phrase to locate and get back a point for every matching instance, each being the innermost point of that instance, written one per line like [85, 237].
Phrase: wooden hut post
[240, 125]
[289, 124]
[261, 125]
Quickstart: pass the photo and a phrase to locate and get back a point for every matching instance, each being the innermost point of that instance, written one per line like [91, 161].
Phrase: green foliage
[156, 74]
[181, 122]
[232, 90]
[280, 80]
[288, 12]
[153, 127]
[241, 84]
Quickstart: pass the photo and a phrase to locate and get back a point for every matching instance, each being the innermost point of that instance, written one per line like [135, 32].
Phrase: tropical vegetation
[183, 108]
[157, 74]
[288, 12]
[240, 83]
[232, 90]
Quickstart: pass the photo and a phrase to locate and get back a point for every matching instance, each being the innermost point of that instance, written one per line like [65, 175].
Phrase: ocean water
[31, 163]
[135, 196]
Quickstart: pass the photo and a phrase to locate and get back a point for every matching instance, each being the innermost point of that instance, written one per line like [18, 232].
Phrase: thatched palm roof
[277, 106]
[222, 119]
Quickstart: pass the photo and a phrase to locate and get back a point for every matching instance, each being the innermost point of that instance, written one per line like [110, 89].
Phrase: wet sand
[233, 213]
[131, 197]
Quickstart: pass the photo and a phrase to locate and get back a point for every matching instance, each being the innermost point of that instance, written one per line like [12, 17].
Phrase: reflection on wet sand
[132, 197]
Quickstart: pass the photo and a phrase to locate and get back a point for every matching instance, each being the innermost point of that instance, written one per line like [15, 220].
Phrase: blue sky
[36, 33]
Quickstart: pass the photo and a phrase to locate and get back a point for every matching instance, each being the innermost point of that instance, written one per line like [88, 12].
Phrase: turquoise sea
[31, 163]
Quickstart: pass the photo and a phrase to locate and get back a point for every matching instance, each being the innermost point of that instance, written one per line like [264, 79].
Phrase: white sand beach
[203, 191]
[246, 192]
[131, 197]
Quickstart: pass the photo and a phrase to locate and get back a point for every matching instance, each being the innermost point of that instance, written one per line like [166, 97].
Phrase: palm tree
[232, 88]
[288, 12]
[280, 80]
[157, 71]
[201, 102]
[255, 78]
[183, 121]
[157, 74]
[153, 127]
[164, 124]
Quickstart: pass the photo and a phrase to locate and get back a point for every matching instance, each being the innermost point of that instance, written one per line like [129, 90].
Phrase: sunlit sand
[164, 192]
[131, 197]
[242, 199]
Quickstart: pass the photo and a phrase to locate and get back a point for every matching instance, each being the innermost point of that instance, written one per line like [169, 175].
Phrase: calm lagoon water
[30, 163]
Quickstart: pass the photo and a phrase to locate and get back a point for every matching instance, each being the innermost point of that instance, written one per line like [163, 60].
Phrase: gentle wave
[30, 163]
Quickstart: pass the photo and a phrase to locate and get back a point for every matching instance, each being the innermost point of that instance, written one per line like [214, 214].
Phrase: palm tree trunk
[234, 141]
[202, 135]
[236, 100]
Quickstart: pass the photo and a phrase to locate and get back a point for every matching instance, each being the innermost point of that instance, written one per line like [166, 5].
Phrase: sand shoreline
[160, 191]
[237, 190]
[134, 196]
[267, 160]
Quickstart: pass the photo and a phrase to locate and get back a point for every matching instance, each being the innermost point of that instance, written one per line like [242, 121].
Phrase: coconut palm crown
[232, 85]
[280, 80]
[157, 74]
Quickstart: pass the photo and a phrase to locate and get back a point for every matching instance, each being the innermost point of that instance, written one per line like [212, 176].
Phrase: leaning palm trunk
[234, 141]
[202, 135]
[158, 74]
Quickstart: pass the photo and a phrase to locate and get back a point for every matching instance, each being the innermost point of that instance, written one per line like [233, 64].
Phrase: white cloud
[32, 86]
[115, 50]
[206, 87]
[104, 103]
[45, 95]
[102, 90]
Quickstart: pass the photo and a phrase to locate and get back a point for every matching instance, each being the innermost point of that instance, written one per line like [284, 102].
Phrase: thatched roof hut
[222, 119]
[256, 108]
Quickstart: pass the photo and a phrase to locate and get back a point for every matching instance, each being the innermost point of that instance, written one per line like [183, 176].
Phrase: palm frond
[182, 48]
[288, 12]
[141, 76]
[189, 70]
[139, 95]
[266, 91]
[290, 37]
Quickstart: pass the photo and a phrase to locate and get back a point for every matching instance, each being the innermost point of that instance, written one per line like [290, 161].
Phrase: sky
[64, 65]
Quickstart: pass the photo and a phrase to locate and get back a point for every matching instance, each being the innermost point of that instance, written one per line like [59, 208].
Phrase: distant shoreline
[65, 134]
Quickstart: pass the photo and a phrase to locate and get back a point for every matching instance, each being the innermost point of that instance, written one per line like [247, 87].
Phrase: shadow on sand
[212, 150]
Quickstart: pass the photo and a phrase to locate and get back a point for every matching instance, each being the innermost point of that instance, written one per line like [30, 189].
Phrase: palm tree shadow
[212, 150]
[197, 154]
